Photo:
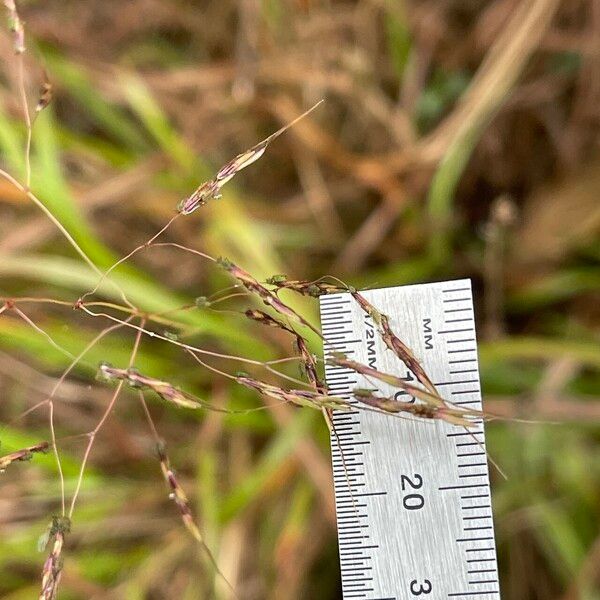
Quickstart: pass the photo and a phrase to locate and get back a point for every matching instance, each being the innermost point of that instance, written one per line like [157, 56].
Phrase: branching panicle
[432, 406]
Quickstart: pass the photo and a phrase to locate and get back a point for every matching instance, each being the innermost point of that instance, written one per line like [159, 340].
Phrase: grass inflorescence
[84, 142]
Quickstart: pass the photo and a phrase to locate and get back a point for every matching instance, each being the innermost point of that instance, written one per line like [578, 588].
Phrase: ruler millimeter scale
[412, 496]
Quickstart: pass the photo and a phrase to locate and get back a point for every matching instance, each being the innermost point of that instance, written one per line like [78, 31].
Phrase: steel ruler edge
[413, 505]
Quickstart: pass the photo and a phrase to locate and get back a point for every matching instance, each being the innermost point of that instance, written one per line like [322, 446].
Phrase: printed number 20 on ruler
[421, 522]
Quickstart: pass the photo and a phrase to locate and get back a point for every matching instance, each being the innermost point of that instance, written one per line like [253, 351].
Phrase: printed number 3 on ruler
[417, 518]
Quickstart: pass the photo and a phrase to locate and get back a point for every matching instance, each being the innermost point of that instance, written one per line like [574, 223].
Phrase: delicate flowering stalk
[307, 288]
[164, 389]
[433, 399]
[455, 416]
[211, 190]
[268, 297]
[391, 340]
[313, 399]
[180, 499]
[22, 455]
[52, 569]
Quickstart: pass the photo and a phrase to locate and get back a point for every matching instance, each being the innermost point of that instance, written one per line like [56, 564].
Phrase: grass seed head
[24, 454]
[309, 365]
[15, 25]
[265, 319]
[52, 569]
[268, 297]
[202, 302]
[393, 342]
[241, 161]
[313, 289]
[137, 380]
[308, 398]
[277, 280]
[46, 93]
[211, 189]
[179, 497]
[454, 416]
[176, 492]
[426, 396]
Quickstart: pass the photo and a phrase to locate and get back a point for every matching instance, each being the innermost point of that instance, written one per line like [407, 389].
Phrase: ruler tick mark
[447, 300]
[456, 594]
[456, 330]
[459, 487]
[478, 560]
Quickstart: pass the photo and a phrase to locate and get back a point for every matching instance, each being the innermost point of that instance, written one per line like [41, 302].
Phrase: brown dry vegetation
[457, 139]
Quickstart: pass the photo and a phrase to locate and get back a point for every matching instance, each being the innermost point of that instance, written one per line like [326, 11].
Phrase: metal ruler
[414, 508]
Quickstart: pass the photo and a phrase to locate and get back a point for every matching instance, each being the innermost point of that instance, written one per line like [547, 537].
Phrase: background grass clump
[457, 140]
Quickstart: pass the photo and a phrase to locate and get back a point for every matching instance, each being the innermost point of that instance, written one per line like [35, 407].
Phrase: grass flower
[52, 569]
[211, 190]
[313, 399]
[393, 342]
[22, 455]
[164, 389]
[455, 416]
[268, 297]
